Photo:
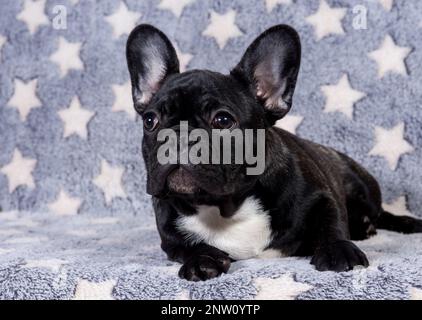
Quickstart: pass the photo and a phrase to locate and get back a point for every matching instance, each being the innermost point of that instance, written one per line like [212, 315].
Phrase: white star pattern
[390, 144]
[271, 4]
[87, 290]
[327, 20]
[24, 98]
[415, 293]
[398, 207]
[123, 99]
[289, 123]
[282, 288]
[175, 6]
[2, 42]
[67, 56]
[51, 264]
[222, 27]
[110, 182]
[75, 119]
[65, 205]
[33, 14]
[184, 58]
[123, 20]
[387, 4]
[390, 57]
[341, 97]
[19, 171]
[184, 294]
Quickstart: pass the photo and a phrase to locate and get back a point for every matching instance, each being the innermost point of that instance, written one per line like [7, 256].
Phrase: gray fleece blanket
[75, 221]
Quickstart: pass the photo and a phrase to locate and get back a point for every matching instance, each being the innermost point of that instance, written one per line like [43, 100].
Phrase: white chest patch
[244, 235]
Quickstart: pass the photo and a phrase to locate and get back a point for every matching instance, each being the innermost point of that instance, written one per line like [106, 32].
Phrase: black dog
[310, 200]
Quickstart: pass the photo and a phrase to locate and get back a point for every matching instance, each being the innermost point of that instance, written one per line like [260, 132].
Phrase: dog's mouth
[182, 187]
[184, 182]
[181, 181]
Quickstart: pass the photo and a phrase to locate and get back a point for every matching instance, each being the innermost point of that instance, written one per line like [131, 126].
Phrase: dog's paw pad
[204, 267]
[339, 256]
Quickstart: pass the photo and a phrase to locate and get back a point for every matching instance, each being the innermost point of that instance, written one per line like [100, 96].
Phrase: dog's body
[310, 201]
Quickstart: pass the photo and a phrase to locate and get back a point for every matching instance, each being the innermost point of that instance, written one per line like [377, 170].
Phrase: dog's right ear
[151, 59]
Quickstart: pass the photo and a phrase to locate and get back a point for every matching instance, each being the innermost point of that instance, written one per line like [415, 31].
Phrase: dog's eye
[223, 120]
[150, 121]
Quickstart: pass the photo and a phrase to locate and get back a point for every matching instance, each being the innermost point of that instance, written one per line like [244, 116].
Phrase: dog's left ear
[270, 67]
[151, 58]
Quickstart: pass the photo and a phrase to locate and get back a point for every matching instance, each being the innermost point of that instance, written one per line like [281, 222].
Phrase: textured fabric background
[76, 221]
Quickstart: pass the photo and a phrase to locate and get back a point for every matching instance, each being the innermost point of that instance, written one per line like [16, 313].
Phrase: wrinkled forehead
[197, 89]
[208, 81]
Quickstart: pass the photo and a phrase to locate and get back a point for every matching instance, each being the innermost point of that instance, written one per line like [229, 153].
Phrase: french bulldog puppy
[310, 200]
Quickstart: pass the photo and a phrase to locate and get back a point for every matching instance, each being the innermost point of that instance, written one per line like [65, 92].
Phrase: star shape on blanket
[75, 119]
[2, 42]
[184, 294]
[110, 181]
[67, 56]
[51, 264]
[222, 27]
[327, 20]
[123, 99]
[390, 57]
[24, 97]
[289, 123]
[174, 6]
[123, 20]
[184, 58]
[398, 207]
[341, 97]
[415, 293]
[271, 4]
[390, 144]
[19, 171]
[282, 288]
[387, 4]
[87, 290]
[65, 205]
[33, 15]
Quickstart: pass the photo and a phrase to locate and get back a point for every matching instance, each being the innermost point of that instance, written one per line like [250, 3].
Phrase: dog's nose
[181, 181]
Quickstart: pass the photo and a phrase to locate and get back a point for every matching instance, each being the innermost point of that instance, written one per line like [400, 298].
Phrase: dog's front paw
[204, 267]
[339, 256]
